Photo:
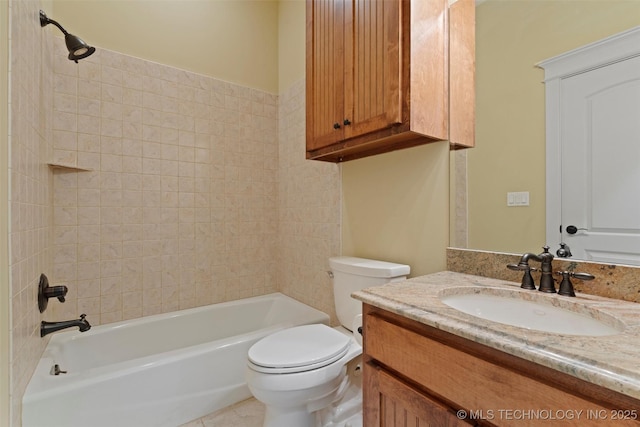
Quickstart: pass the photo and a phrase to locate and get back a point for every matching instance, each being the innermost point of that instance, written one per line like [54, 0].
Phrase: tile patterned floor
[248, 413]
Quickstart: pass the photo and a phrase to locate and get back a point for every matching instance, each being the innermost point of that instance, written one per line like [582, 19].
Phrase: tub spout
[48, 327]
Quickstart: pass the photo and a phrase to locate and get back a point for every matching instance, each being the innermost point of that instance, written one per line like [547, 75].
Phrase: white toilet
[299, 371]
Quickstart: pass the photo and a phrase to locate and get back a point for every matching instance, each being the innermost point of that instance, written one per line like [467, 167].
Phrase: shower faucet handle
[45, 292]
[56, 292]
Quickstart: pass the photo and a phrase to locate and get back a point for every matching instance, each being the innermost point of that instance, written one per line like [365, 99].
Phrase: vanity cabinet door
[390, 402]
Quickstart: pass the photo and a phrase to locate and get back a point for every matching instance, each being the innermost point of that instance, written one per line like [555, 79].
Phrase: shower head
[77, 48]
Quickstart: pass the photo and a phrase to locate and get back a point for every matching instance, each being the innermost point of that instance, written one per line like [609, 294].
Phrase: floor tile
[248, 413]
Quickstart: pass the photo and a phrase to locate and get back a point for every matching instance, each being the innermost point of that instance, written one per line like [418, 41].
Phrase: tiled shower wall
[179, 208]
[30, 106]
[197, 191]
[309, 209]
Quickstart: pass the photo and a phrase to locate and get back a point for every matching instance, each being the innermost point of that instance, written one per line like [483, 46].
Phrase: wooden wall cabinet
[417, 375]
[388, 74]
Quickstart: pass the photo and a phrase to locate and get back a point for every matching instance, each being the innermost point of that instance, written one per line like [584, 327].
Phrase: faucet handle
[527, 279]
[566, 287]
[56, 292]
[521, 267]
[583, 276]
[45, 292]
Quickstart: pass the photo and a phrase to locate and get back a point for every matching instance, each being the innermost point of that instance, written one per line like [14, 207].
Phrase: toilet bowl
[300, 373]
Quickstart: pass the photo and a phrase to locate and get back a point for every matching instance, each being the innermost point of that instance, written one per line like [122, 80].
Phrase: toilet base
[298, 408]
[349, 415]
[344, 412]
[340, 408]
[301, 418]
[305, 419]
[353, 421]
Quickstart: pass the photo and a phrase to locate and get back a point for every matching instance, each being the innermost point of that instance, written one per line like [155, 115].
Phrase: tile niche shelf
[68, 167]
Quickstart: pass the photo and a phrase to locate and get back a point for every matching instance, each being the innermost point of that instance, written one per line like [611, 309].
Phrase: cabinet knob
[346, 122]
[336, 125]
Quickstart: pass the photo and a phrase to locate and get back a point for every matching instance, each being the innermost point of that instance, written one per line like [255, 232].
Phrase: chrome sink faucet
[545, 258]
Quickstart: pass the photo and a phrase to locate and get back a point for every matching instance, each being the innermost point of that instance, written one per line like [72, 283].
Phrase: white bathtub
[161, 370]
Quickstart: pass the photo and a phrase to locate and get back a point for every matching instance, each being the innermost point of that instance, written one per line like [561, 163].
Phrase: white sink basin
[531, 310]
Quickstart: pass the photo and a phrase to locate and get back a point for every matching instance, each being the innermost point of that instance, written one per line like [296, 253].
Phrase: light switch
[518, 198]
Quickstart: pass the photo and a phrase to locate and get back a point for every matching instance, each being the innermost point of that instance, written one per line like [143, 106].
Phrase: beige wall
[4, 256]
[512, 36]
[234, 41]
[291, 42]
[395, 207]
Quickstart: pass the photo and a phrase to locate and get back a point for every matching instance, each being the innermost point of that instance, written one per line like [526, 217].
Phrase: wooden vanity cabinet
[418, 375]
[397, 403]
[378, 75]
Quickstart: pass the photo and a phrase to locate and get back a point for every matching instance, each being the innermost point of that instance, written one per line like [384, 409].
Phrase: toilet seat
[298, 349]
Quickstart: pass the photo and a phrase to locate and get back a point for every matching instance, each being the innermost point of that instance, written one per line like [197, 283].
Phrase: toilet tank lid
[368, 267]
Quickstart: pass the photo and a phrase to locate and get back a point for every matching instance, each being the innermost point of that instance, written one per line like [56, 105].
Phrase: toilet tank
[352, 274]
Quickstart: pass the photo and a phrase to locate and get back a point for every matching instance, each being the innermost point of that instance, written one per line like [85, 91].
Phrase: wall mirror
[511, 37]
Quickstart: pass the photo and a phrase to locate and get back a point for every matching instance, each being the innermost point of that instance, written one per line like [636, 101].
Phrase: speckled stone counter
[611, 280]
[611, 361]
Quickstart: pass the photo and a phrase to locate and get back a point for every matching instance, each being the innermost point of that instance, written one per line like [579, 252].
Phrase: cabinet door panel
[401, 405]
[374, 101]
[325, 76]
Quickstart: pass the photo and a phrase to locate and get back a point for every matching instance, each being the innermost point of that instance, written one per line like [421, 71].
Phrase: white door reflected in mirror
[597, 127]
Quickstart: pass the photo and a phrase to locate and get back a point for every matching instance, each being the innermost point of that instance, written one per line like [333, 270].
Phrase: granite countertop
[611, 361]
